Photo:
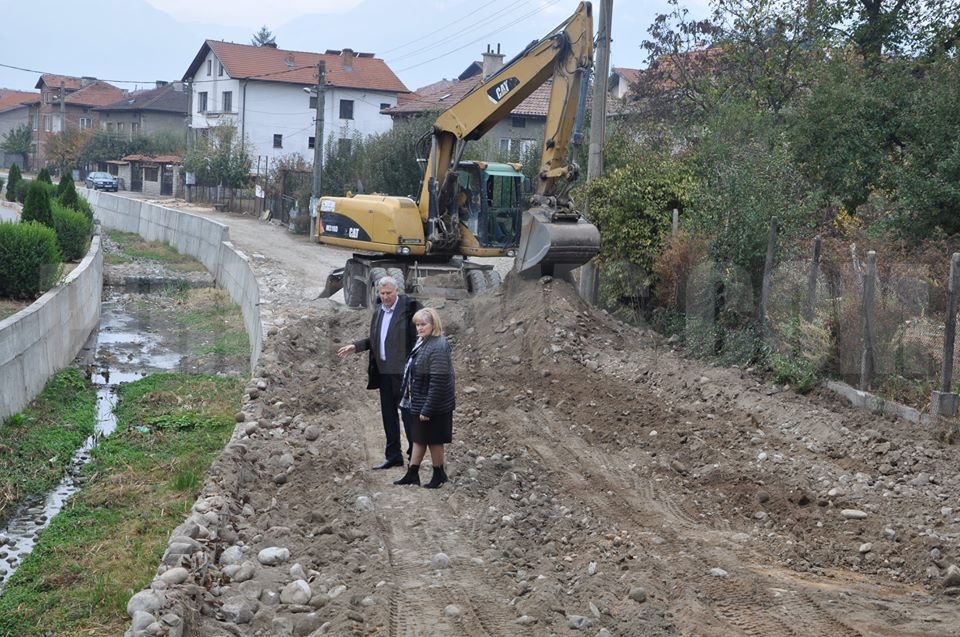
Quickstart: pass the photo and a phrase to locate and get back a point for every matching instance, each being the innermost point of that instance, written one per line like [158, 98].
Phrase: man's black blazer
[400, 340]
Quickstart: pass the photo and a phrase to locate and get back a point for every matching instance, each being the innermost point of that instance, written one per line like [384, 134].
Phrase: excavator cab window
[491, 204]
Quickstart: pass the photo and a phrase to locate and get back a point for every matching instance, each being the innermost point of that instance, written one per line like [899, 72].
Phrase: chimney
[87, 80]
[347, 61]
[492, 62]
[270, 45]
[161, 83]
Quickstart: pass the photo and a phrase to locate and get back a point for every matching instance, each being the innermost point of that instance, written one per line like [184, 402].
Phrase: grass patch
[9, 307]
[37, 445]
[107, 542]
[133, 247]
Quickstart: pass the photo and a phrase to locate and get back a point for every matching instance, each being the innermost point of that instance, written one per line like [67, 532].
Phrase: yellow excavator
[475, 208]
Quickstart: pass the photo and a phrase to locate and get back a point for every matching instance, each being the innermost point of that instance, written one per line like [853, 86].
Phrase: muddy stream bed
[141, 332]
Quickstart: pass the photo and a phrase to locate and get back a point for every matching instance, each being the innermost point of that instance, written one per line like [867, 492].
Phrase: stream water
[123, 348]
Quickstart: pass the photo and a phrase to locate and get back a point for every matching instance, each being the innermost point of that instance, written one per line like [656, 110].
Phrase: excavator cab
[491, 199]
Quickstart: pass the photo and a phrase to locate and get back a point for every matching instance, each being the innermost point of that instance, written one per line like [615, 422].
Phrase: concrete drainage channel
[122, 349]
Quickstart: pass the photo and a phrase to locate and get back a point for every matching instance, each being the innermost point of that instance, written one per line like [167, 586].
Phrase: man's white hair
[388, 281]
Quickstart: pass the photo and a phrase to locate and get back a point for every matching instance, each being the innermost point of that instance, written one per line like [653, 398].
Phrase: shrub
[13, 177]
[22, 187]
[37, 206]
[29, 260]
[44, 176]
[66, 179]
[73, 232]
[67, 194]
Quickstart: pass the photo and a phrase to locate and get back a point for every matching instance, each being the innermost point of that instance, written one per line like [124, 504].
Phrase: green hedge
[73, 232]
[29, 260]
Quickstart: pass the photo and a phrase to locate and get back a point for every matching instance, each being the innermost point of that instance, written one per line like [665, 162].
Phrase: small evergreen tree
[13, 176]
[68, 194]
[36, 206]
[264, 37]
[62, 184]
[44, 176]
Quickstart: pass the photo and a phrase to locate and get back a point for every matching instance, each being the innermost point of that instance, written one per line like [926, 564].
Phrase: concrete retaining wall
[203, 239]
[42, 339]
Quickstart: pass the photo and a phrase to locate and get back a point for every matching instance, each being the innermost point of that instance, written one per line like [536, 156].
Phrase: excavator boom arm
[564, 54]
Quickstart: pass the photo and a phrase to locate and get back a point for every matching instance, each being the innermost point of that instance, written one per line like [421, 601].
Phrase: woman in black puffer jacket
[428, 397]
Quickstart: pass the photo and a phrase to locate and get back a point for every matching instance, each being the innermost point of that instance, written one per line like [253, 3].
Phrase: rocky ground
[601, 484]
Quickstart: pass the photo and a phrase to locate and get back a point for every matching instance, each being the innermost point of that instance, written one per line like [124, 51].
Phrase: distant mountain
[125, 42]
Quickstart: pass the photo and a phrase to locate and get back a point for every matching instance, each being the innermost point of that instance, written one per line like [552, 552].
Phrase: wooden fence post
[869, 288]
[767, 272]
[944, 402]
[812, 281]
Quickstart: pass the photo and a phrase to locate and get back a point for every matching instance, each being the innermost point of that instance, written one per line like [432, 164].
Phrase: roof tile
[344, 69]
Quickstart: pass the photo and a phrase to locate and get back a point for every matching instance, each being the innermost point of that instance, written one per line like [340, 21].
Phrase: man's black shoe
[388, 464]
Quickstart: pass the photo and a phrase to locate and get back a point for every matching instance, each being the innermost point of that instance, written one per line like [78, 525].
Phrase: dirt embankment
[601, 484]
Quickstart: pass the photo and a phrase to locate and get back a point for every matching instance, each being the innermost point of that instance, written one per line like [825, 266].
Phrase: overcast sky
[421, 40]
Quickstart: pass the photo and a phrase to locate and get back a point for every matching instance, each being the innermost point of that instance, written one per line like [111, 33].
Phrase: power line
[20, 68]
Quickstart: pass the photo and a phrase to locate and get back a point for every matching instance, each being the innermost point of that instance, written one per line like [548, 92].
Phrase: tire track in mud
[415, 525]
[737, 601]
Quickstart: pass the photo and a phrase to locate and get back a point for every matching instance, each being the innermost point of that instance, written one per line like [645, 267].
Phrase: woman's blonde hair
[430, 315]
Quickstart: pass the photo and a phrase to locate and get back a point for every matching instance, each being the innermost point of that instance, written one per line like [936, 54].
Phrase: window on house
[344, 144]
[33, 122]
[504, 145]
[57, 123]
[311, 142]
[313, 102]
[151, 173]
[278, 141]
[85, 123]
[219, 69]
[120, 127]
[109, 127]
[209, 68]
[518, 122]
[47, 124]
[202, 102]
[135, 128]
[346, 109]
[384, 105]
[228, 101]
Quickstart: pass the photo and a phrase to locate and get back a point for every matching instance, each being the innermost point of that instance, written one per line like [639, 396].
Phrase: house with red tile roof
[623, 81]
[14, 112]
[67, 103]
[269, 94]
[513, 136]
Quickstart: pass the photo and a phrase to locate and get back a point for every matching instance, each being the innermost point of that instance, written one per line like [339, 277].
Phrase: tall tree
[264, 37]
[17, 142]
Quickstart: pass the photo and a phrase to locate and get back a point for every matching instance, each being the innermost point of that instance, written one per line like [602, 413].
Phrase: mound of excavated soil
[601, 484]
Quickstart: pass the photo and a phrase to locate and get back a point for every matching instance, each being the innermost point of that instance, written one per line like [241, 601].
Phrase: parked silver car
[101, 181]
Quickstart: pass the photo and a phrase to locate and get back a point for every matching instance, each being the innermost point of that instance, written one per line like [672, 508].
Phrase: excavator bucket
[547, 243]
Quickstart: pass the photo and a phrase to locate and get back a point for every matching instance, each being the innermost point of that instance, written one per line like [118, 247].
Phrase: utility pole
[317, 150]
[598, 121]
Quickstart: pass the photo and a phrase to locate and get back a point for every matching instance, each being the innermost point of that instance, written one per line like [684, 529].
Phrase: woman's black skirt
[436, 431]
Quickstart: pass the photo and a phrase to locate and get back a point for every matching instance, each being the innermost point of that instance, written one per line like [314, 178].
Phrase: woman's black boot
[412, 476]
[439, 477]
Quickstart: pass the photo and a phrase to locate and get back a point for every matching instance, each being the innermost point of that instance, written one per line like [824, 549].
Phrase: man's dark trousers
[389, 411]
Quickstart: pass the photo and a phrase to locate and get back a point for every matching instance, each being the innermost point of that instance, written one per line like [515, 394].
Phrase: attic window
[444, 97]
[289, 61]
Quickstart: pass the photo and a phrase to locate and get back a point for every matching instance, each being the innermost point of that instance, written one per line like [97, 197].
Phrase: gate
[136, 177]
[166, 179]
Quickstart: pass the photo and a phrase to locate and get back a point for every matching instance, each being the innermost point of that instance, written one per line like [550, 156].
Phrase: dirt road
[601, 484]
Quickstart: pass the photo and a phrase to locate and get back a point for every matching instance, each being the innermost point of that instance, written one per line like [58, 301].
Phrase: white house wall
[262, 109]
